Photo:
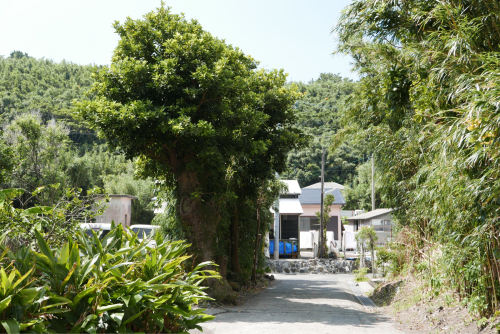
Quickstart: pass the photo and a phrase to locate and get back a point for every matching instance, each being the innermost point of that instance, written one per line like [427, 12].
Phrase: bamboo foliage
[429, 100]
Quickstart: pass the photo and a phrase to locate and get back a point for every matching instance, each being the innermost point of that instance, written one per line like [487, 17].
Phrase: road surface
[301, 304]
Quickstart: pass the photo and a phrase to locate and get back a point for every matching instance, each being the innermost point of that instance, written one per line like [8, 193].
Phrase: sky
[294, 35]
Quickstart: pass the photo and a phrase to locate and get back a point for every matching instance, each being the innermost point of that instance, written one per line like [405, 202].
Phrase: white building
[380, 220]
[289, 212]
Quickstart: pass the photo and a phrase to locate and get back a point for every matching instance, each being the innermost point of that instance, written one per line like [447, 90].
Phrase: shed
[119, 210]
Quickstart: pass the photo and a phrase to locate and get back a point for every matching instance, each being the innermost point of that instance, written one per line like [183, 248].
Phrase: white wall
[119, 210]
[311, 209]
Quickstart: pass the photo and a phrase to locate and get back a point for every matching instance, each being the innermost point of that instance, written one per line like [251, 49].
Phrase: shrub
[56, 223]
[360, 275]
[385, 257]
[114, 285]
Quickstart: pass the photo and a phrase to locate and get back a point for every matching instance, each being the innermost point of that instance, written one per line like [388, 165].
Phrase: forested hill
[28, 84]
[319, 117]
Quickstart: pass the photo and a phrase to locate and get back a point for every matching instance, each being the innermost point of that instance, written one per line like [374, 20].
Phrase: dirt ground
[417, 311]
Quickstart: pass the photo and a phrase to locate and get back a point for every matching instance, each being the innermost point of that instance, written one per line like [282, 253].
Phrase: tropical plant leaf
[11, 326]
[37, 210]
[101, 309]
[44, 247]
[5, 303]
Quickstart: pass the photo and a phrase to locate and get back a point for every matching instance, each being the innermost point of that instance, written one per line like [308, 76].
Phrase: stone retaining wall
[312, 266]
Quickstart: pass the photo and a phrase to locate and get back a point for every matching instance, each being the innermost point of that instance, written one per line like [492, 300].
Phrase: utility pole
[373, 182]
[321, 223]
[277, 229]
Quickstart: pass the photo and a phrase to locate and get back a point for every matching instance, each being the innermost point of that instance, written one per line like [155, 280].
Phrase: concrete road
[301, 304]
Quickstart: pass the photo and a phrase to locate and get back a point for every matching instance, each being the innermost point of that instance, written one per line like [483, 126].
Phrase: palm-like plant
[117, 284]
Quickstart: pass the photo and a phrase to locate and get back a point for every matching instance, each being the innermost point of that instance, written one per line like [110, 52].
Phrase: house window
[315, 224]
[333, 226]
[289, 226]
[305, 223]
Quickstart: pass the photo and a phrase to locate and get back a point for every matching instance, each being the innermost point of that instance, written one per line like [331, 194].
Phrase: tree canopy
[199, 115]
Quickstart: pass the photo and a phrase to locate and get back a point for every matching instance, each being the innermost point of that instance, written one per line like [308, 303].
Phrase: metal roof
[313, 196]
[289, 206]
[328, 185]
[371, 214]
[293, 187]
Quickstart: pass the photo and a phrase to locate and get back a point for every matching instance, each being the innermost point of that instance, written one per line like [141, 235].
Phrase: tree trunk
[373, 261]
[362, 261]
[257, 242]
[235, 254]
[200, 220]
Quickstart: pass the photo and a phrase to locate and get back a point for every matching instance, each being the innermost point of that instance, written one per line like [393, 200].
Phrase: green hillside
[319, 117]
[28, 84]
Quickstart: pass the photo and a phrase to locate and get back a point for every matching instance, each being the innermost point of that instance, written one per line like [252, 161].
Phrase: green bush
[114, 285]
[360, 275]
[386, 257]
[56, 222]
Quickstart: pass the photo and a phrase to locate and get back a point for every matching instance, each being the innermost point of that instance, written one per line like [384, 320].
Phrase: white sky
[289, 34]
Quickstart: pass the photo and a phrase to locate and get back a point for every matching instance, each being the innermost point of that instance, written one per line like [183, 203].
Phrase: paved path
[301, 304]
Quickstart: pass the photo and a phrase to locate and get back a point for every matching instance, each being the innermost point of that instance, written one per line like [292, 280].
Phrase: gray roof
[313, 196]
[371, 214]
[328, 185]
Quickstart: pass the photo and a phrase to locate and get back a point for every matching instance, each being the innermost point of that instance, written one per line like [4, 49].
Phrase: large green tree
[358, 189]
[192, 109]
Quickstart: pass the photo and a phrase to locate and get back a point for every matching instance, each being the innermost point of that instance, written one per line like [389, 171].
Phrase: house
[289, 211]
[380, 219]
[309, 224]
[119, 210]
[350, 213]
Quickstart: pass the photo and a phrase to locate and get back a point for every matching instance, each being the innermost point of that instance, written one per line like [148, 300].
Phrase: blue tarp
[282, 246]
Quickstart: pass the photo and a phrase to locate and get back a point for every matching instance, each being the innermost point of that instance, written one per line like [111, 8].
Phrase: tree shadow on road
[304, 301]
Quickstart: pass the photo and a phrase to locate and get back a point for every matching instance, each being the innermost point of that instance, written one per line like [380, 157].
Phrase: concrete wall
[119, 210]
